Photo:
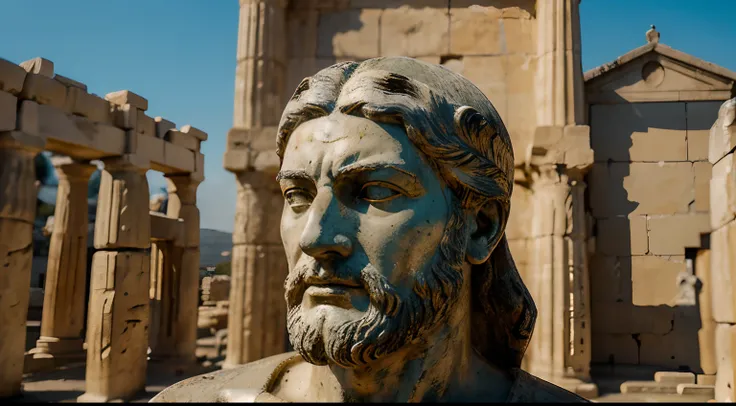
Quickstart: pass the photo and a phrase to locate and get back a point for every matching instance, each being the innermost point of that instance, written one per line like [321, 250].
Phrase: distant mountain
[212, 244]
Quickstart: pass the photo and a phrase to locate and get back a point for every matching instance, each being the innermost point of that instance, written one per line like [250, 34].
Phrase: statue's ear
[486, 229]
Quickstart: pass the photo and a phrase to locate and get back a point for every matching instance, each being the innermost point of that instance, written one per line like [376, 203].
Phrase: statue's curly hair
[454, 125]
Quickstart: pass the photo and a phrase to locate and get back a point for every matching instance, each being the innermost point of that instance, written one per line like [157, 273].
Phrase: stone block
[79, 137]
[408, 31]
[118, 328]
[639, 132]
[640, 188]
[670, 235]
[674, 377]
[43, 90]
[198, 174]
[519, 35]
[166, 228]
[703, 379]
[236, 160]
[123, 97]
[723, 273]
[302, 33]
[703, 172]
[39, 66]
[12, 77]
[614, 349]
[349, 33]
[654, 279]
[151, 148]
[178, 157]
[723, 192]
[122, 209]
[476, 31]
[610, 278]
[28, 118]
[15, 280]
[722, 138]
[8, 111]
[194, 132]
[625, 318]
[693, 389]
[81, 103]
[631, 387]
[125, 116]
[697, 145]
[145, 125]
[162, 126]
[622, 236]
[666, 350]
[70, 82]
[182, 139]
[725, 346]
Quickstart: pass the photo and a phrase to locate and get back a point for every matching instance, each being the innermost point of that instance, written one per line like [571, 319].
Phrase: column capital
[72, 169]
[127, 162]
[22, 141]
[184, 186]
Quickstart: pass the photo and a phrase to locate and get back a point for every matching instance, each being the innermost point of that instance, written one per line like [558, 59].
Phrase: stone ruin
[144, 279]
[621, 213]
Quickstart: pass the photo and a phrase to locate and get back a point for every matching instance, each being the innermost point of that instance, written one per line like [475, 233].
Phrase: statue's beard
[393, 318]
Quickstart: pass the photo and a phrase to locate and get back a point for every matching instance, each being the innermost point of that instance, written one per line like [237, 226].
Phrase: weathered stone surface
[640, 188]
[723, 192]
[654, 279]
[8, 111]
[615, 348]
[706, 379]
[15, 280]
[703, 172]
[625, 318]
[81, 103]
[123, 97]
[70, 82]
[162, 126]
[40, 66]
[476, 31]
[117, 335]
[610, 279]
[182, 139]
[151, 148]
[166, 228]
[726, 349]
[639, 132]
[178, 157]
[723, 280]
[194, 132]
[77, 136]
[723, 132]
[670, 235]
[674, 377]
[43, 90]
[28, 118]
[408, 31]
[519, 34]
[123, 199]
[349, 33]
[700, 119]
[302, 29]
[622, 236]
[696, 389]
[12, 77]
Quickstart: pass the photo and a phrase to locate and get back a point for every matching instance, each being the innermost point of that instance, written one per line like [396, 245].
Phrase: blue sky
[180, 55]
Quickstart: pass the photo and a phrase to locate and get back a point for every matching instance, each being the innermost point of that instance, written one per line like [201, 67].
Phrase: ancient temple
[612, 207]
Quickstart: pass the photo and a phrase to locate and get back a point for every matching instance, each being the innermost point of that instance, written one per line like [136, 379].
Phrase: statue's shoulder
[528, 388]
[239, 384]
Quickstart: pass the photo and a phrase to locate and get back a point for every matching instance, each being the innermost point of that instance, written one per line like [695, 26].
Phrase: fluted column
[257, 310]
[118, 318]
[17, 211]
[178, 282]
[65, 298]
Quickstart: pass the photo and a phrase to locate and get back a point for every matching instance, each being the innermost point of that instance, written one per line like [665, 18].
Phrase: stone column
[17, 211]
[176, 338]
[560, 350]
[257, 312]
[118, 318]
[65, 300]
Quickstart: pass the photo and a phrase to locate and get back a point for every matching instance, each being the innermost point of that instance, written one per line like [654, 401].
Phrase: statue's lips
[332, 294]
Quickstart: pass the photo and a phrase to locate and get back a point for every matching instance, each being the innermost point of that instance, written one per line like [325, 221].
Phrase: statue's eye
[378, 192]
[299, 199]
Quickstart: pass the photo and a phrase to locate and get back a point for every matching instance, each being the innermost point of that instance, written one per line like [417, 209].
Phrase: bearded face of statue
[374, 240]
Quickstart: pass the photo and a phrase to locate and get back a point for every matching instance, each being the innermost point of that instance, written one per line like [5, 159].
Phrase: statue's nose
[325, 235]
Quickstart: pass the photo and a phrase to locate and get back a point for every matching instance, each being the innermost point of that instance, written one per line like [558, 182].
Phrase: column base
[53, 352]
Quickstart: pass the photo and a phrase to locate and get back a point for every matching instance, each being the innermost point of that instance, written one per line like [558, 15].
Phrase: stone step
[671, 377]
[648, 387]
[693, 389]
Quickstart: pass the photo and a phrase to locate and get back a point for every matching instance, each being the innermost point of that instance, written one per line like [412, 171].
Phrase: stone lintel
[166, 228]
[21, 140]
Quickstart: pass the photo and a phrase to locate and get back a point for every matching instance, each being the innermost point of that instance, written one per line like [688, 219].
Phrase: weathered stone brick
[622, 236]
[723, 273]
[475, 31]
[670, 235]
[703, 171]
[723, 192]
[610, 278]
[8, 111]
[349, 33]
[654, 279]
[12, 77]
[408, 31]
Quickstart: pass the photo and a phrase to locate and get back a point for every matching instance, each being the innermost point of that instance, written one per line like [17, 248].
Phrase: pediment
[657, 73]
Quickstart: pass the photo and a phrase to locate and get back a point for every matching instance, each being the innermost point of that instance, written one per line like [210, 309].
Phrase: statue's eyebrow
[363, 167]
[294, 174]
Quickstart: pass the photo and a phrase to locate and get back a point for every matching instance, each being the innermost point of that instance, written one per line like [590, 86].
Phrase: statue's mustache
[381, 293]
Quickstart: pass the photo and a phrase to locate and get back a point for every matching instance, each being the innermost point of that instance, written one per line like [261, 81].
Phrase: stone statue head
[397, 176]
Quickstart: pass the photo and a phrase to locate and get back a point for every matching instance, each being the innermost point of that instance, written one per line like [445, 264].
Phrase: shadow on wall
[640, 185]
